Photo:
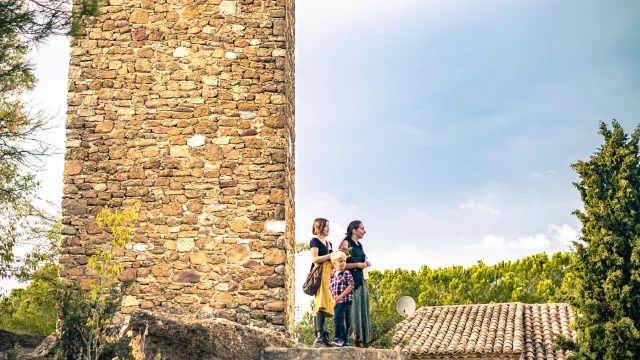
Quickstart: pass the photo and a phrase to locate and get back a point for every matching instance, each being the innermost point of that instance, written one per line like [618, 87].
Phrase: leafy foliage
[13, 353]
[35, 20]
[32, 310]
[87, 314]
[301, 247]
[18, 149]
[607, 266]
[534, 279]
[24, 24]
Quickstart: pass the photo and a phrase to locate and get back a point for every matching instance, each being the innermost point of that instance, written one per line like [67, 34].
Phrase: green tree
[32, 310]
[533, 279]
[23, 25]
[607, 266]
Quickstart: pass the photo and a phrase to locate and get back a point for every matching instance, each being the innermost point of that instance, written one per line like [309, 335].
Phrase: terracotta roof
[507, 331]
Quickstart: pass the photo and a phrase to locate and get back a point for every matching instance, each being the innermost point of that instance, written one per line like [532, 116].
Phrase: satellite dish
[406, 305]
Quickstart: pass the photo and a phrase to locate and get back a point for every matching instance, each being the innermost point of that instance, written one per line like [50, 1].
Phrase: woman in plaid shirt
[340, 284]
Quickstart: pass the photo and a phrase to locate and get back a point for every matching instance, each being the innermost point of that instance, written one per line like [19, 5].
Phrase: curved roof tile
[509, 330]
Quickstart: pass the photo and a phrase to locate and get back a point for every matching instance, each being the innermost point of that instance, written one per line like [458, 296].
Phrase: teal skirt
[359, 326]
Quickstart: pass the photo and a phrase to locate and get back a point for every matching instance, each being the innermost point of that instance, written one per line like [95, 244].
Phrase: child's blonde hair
[338, 255]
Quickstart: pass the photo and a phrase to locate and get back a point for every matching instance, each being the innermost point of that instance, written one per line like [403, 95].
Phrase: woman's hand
[367, 263]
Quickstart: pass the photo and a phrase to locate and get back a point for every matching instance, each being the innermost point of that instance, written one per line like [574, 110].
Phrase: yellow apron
[323, 300]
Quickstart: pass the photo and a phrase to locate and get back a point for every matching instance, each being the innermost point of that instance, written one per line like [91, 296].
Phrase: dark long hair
[352, 226]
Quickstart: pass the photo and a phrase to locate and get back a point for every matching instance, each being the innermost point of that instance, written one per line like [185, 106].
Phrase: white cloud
[484, 208]
[564, 233]
[489, 242]
[528, 243]
[536, 242]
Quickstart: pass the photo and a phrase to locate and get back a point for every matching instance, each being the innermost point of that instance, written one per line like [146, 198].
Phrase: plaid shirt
[339, 282]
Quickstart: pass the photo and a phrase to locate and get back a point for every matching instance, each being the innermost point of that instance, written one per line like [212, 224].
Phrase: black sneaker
[318, 341]
[325, 337]
[321, 340]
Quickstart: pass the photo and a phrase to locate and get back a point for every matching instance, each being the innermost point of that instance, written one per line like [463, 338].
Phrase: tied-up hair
[319, 225]
[354, 225]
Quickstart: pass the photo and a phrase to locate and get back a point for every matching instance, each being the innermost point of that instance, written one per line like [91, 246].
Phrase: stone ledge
[181, 338]
[351, 353]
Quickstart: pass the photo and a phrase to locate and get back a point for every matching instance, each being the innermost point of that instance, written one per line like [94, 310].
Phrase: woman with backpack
[321, 250]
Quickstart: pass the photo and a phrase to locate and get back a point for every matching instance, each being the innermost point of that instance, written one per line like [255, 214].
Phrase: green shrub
[87, 313]
[32, 310]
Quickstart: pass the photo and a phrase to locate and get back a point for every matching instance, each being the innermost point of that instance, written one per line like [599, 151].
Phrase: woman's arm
[318, 259]
[345, 244]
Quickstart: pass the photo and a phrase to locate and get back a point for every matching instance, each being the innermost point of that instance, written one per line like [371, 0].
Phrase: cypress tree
[607, 263]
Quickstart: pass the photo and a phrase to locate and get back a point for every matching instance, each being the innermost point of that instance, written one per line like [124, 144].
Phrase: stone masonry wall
[187, 106]
[290, 167]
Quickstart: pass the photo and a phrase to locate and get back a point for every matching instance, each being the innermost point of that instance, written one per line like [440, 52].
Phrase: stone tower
[187, 106]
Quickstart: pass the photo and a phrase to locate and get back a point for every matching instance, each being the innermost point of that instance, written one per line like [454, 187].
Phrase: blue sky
[448, 127]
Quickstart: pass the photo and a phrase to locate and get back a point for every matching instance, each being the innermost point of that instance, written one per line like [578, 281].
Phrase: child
[340, 284]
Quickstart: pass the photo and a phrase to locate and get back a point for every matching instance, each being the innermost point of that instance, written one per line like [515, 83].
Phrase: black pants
[339, 320]
[318, 321]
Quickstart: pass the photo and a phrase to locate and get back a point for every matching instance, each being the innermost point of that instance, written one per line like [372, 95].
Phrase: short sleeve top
[322, 248]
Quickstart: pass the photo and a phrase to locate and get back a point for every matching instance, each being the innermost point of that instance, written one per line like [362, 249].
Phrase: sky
[447, 127]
